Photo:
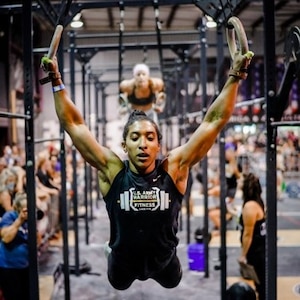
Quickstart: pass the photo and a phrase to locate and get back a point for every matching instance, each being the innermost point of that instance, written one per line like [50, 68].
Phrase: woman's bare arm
[72, 121]
[181, 159]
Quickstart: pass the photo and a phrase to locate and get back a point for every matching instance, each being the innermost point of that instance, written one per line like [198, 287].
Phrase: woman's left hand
[242, 259]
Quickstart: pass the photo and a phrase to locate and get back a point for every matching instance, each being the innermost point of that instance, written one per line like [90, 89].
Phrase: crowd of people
[14, 258]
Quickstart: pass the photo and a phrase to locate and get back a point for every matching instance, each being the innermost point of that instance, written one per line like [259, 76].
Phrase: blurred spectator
[44, 172]
[232, 173]
[14, 259]
[3, 164]
[11, 182]
[253, 230]
[54, 168]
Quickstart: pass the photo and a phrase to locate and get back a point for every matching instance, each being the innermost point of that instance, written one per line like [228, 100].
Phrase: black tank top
[141, 101]
[259, 236]
[143, 212]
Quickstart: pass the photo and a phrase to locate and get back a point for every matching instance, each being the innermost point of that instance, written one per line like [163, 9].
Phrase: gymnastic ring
[234, 26]
[292, 47]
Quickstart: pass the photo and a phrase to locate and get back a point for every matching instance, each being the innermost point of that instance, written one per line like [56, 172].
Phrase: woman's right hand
[49, 65]
[23, 215]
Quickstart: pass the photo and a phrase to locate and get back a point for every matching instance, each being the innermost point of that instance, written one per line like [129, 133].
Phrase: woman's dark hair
[139, 115]
[252, 189]
[240, 291]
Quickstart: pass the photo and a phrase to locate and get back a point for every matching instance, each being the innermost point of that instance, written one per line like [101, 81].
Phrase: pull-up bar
[158, 29]
[250, 102]
[121, 46]
[14, 115]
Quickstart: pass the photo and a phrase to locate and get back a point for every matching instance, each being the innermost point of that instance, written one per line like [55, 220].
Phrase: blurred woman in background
[253, 230]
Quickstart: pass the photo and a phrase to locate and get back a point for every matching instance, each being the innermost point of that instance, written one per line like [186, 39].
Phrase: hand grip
[236, 27]
[55, 41]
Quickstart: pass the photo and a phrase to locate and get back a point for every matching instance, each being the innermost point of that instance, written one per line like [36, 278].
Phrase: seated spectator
[43, 173]
[11, 182]
[14, 259]
[54, 168]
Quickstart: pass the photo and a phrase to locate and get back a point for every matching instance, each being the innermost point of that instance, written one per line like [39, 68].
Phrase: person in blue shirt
[14, 259]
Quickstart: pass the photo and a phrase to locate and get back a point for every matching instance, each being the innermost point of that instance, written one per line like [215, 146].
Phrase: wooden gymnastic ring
[292, 48]
[234, 26]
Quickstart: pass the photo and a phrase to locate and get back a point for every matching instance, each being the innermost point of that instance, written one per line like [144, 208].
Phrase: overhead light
[210, 23]
[76, 22]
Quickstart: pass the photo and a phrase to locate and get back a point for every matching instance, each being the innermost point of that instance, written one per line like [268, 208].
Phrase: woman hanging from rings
[142, 92]
[143, 194]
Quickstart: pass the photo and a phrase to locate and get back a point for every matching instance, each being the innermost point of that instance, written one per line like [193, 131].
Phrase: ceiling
[172, 15]
[182, 15]
[139, 18]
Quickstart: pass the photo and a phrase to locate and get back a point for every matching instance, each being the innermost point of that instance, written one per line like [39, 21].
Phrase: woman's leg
[171, 275]
[119, 276]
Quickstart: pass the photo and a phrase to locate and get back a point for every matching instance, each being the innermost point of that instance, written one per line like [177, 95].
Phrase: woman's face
[141, 78]
[142, 146]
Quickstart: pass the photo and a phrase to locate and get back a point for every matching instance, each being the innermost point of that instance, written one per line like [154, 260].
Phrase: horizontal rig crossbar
[250, 102]
[285, 123]
[38, 141]
[109, 47]
[129, 3]
[13, 115]
[135, 34]
[98, 4]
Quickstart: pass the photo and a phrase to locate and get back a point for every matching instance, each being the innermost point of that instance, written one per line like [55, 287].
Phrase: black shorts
[121, 274]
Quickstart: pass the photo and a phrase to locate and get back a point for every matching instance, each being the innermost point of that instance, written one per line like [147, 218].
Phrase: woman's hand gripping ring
[235, 28]
[236, 35]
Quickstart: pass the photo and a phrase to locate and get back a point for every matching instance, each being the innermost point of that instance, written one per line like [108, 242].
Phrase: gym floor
[94, 285]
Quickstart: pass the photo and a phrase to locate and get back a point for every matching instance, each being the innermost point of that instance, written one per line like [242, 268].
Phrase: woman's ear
[124, 147]
[158, 148]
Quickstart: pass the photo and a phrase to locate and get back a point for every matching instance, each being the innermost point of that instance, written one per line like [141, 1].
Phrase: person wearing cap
[142, 92]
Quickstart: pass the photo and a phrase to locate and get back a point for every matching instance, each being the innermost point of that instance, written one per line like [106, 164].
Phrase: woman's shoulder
[253, 208]
[127, 85]
[251, 204]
